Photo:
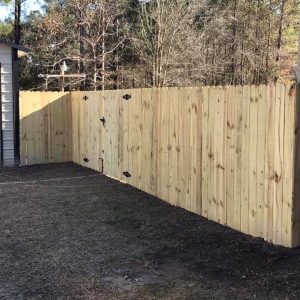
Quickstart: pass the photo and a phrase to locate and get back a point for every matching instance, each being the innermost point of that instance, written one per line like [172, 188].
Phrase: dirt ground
[91, 237]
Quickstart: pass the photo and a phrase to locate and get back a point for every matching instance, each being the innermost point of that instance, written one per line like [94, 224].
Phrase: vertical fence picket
[245, 160]
[205, 151]
[230, 148]
[260, 167]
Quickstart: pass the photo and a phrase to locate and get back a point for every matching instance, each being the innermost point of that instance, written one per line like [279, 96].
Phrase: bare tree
[162, 28]
[138, 43]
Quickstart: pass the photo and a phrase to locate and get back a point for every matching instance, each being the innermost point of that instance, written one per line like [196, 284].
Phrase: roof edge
[14, 45]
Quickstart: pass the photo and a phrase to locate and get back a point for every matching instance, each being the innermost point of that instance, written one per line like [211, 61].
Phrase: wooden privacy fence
[226, 153]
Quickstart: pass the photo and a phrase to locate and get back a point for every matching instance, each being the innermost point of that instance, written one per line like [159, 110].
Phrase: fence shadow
[45, 128]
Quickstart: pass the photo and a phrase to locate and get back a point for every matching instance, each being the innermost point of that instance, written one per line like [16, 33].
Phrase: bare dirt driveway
[91, 237]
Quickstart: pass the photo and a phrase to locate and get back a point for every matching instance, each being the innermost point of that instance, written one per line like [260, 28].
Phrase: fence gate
[119, 118]
[87, 129]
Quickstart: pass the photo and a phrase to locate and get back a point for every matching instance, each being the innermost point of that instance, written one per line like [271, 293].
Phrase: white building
[9, 102]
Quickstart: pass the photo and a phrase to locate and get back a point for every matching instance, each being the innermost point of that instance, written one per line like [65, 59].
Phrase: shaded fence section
[87, 131]
[226, 153]
[45, 127]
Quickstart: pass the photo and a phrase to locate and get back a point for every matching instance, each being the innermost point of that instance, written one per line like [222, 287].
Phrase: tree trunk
[279, 40]
[233, 48]
[103, 50]
[81, 51]
[17, 28]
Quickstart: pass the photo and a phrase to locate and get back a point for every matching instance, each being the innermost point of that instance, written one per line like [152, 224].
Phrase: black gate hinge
[127, 97]
[126, 174]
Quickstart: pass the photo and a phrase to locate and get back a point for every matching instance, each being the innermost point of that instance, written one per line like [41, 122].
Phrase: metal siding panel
[6, 88]
[7, 125]
[6, 68]
[6, 78]
[8, 150]
[8, 134]
[8, 145]
[7, 98]
[5, 59]
[8, 162]
[7, 116]
[7, 105]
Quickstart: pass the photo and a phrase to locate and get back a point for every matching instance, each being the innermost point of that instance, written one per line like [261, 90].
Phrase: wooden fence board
[165, 145]
[173, 137]
[269, 165]
[146, 146]
[238, 157]
[185, 114]
[211, 154]
[221, 163]
[196, 144]
[205, 151]
[253, 159]
[230, 135]
[278, 162]
[75, 127]
[155, 136]
[245, 159]
[181, 179]
[134, 136]
[125, 133]
[260, 167]
[288, 166]
[218, 152]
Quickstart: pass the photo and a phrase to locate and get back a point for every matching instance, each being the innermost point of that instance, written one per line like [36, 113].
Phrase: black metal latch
[127, 97]
[85, 98]
[126, 174]
[103, 121]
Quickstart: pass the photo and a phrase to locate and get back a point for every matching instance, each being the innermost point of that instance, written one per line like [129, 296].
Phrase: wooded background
[132, 43]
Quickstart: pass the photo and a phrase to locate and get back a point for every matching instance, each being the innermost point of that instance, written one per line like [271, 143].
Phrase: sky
[27, 7]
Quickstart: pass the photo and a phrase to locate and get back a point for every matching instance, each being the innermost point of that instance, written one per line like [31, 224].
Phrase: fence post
[296, 200]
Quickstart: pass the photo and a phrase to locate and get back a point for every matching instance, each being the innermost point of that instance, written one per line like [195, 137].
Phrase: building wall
[7, 105]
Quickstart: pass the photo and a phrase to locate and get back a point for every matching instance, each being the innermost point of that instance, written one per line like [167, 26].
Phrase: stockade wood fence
[226, 153]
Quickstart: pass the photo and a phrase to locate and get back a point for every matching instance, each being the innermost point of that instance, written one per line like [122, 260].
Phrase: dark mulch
[92, 237]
